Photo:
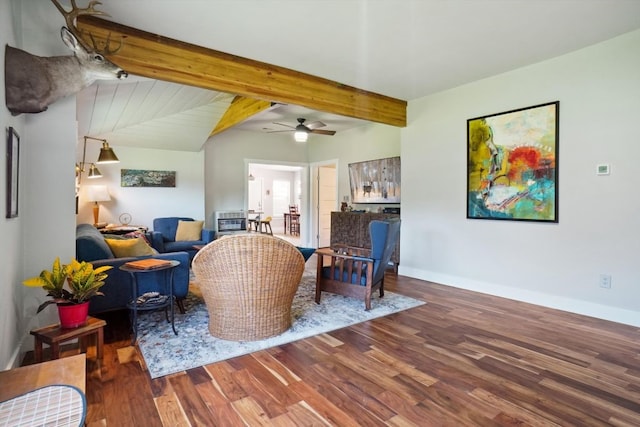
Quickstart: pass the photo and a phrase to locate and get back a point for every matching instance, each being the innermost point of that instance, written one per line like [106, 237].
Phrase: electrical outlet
[605, 281]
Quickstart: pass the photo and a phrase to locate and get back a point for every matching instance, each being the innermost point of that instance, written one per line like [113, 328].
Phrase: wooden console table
[352, 229]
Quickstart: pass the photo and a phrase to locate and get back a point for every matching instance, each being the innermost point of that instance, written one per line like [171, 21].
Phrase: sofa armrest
[156, 240]
[208, 235]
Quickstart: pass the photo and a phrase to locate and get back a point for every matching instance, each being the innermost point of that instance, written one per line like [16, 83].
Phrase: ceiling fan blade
[315, 125]
[277, 131]
[282, 124]
[323, 132]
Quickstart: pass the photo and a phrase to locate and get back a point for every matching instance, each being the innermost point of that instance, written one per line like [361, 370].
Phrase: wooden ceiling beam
[240, 109]
[157, 57]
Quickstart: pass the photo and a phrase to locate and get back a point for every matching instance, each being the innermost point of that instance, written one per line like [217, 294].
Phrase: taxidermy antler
[33, 82]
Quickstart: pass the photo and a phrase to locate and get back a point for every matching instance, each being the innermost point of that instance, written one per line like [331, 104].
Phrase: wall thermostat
[602, 169]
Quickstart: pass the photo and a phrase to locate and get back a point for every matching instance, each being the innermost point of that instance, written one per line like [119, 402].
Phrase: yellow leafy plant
[82, 280]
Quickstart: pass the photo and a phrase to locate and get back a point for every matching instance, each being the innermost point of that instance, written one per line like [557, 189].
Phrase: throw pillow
[189, 230]
[135, 234]
[123, 248]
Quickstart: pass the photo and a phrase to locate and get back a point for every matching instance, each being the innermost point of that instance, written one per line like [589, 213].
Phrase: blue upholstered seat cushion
[326, 273]
[182, 245]
[306, 252]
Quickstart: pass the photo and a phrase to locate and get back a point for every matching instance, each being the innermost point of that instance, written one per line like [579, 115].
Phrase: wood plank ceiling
[243, 87]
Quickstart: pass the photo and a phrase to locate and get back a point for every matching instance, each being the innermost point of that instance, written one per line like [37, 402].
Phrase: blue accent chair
[91, 247]
[163, 236]
[358, 272]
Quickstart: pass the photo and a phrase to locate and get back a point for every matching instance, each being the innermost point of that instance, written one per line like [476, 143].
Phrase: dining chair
[294, 220]
[265, 226]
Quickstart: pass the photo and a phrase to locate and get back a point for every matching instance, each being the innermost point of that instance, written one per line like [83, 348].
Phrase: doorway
[325, 200]
[271, 188]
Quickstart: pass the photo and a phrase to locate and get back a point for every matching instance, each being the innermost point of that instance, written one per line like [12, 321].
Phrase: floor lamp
[95, 194]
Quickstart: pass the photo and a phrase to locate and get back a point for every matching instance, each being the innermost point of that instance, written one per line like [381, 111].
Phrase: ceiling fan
[302, 131]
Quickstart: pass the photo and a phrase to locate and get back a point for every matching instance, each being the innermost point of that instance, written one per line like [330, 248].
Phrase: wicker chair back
[248, 282]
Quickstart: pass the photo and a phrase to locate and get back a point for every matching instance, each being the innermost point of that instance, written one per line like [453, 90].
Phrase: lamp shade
[107, 155]
[94, 172]
[97, 193]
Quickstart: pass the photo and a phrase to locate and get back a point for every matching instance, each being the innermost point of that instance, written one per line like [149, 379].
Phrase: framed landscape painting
[147, 178]
[512, 165]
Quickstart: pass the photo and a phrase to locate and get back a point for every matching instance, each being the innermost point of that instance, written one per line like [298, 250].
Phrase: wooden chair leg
[367, 301]
[320, 260]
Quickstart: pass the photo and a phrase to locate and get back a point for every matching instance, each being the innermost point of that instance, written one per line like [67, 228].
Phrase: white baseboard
[614, 314]
[16, 357]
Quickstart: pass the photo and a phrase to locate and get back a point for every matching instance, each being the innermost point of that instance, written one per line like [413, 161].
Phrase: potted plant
[83, 283]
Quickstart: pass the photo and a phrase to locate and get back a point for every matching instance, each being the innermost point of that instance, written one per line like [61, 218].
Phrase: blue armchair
[163, 236]
[357, 272]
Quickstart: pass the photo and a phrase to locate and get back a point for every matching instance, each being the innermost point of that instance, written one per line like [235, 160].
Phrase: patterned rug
[165, 353]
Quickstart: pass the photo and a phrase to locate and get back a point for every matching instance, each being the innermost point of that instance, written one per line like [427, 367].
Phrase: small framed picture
[13, 163]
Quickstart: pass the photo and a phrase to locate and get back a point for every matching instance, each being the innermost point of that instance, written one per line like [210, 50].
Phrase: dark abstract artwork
[512, 165]
[147, 178]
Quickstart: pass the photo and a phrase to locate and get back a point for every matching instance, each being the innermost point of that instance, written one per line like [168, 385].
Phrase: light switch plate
[602, 169]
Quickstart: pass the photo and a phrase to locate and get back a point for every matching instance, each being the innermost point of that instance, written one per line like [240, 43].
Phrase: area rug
[165, 353]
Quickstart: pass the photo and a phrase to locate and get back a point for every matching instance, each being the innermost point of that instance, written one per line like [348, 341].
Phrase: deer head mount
[33, 82]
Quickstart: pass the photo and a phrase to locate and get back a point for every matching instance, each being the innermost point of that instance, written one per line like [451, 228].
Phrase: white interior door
[327, 203]
[255, 195]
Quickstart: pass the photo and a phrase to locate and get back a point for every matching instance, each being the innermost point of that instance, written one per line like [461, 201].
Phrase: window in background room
[281, 197]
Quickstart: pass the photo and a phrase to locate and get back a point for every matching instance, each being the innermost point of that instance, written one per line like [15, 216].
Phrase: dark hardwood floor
[462, 359]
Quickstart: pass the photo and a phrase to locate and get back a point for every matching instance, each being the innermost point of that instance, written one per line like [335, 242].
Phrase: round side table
[166, 299]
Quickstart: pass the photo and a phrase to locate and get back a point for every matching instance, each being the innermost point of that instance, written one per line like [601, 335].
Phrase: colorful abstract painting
[512, 165]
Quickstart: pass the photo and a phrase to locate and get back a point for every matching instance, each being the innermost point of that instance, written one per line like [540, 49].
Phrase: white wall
[44, 227]
[555, 265]
[145, 203]
[11, 245]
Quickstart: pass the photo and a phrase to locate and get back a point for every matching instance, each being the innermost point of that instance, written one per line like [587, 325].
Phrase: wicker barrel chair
[248, 282]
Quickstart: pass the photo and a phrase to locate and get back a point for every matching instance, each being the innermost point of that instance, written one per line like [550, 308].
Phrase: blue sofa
[91, 247]
[163, 236]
